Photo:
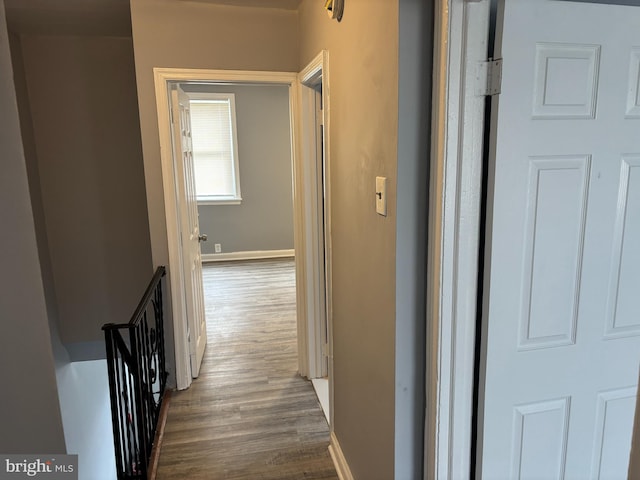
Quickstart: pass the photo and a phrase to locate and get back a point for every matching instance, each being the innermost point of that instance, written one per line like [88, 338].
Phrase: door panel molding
[562, 225]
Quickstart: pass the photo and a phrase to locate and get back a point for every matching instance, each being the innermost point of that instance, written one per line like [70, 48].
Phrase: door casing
[455, 195]
[317, 223]
[318, 234]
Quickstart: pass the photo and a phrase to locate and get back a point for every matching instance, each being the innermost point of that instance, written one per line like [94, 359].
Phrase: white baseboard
[252, 255]
[342, 468]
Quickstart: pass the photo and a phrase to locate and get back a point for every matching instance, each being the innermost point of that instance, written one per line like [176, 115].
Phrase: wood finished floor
[249, 415]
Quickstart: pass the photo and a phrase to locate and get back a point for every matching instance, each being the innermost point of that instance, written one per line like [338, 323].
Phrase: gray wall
[264, 220]
[60, 353]
[29, 406]
[414, 127]
[86, 137]
[363, 78]
[381, 51]
[82, 387]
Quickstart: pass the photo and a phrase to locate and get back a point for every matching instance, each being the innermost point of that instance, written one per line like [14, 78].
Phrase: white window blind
[214, 148]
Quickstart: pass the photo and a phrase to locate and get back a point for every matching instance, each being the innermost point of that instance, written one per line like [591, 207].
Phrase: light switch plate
[381, 196]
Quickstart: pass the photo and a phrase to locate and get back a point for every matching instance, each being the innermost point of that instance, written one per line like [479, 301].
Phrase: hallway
[249, 415]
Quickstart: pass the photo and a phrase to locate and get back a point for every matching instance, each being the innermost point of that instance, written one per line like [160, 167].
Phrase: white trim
[222, 201]
[247, 255]
[319, 300]
[221, 76]
[313, 71]
[339, 461]
[175, 279]
[175, 276]
[299, 243]
[309, 78]
[307, 253]
[460, 45]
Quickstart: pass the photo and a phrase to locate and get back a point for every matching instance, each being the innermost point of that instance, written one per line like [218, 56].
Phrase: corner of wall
[414, 105]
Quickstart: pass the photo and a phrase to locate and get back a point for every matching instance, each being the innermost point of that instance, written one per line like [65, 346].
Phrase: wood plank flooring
[249, 415]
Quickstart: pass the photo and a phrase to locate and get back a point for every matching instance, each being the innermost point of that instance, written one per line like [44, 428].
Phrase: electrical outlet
[218, 247]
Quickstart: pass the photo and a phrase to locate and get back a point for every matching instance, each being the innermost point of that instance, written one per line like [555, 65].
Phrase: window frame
[222, 199]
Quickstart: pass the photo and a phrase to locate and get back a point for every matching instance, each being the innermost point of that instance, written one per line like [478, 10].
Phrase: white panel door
[189, 228]
[561, 325]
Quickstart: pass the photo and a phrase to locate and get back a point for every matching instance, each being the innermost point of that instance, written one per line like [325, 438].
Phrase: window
[215, 148]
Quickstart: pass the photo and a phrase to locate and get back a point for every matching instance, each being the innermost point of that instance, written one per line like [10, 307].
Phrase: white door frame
[317, 227]
[460, 44]
[319, 294]
[162, 78]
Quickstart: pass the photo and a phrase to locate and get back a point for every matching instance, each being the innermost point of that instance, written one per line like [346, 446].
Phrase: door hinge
[325, 349]
[489, 78]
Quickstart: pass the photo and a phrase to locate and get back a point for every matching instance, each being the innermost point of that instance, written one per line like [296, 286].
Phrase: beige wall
[178, 34]
[363, 76]
[30, 416]
[83, 106]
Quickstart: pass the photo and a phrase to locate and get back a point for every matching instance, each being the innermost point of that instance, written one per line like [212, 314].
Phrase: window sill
[221, 201]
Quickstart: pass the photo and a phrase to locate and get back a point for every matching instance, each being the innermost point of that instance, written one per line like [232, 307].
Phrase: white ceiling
[95, 17]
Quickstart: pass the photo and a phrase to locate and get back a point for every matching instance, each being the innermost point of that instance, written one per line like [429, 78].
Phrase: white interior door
[562, 314]
[189, 228]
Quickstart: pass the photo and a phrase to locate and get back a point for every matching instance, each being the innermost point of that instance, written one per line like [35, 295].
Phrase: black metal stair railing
[137, 380]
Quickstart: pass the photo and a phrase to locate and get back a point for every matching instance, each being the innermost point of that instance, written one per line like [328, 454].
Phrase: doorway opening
[321, 382]
[240, 134]
[312, 269]
[314, 99]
